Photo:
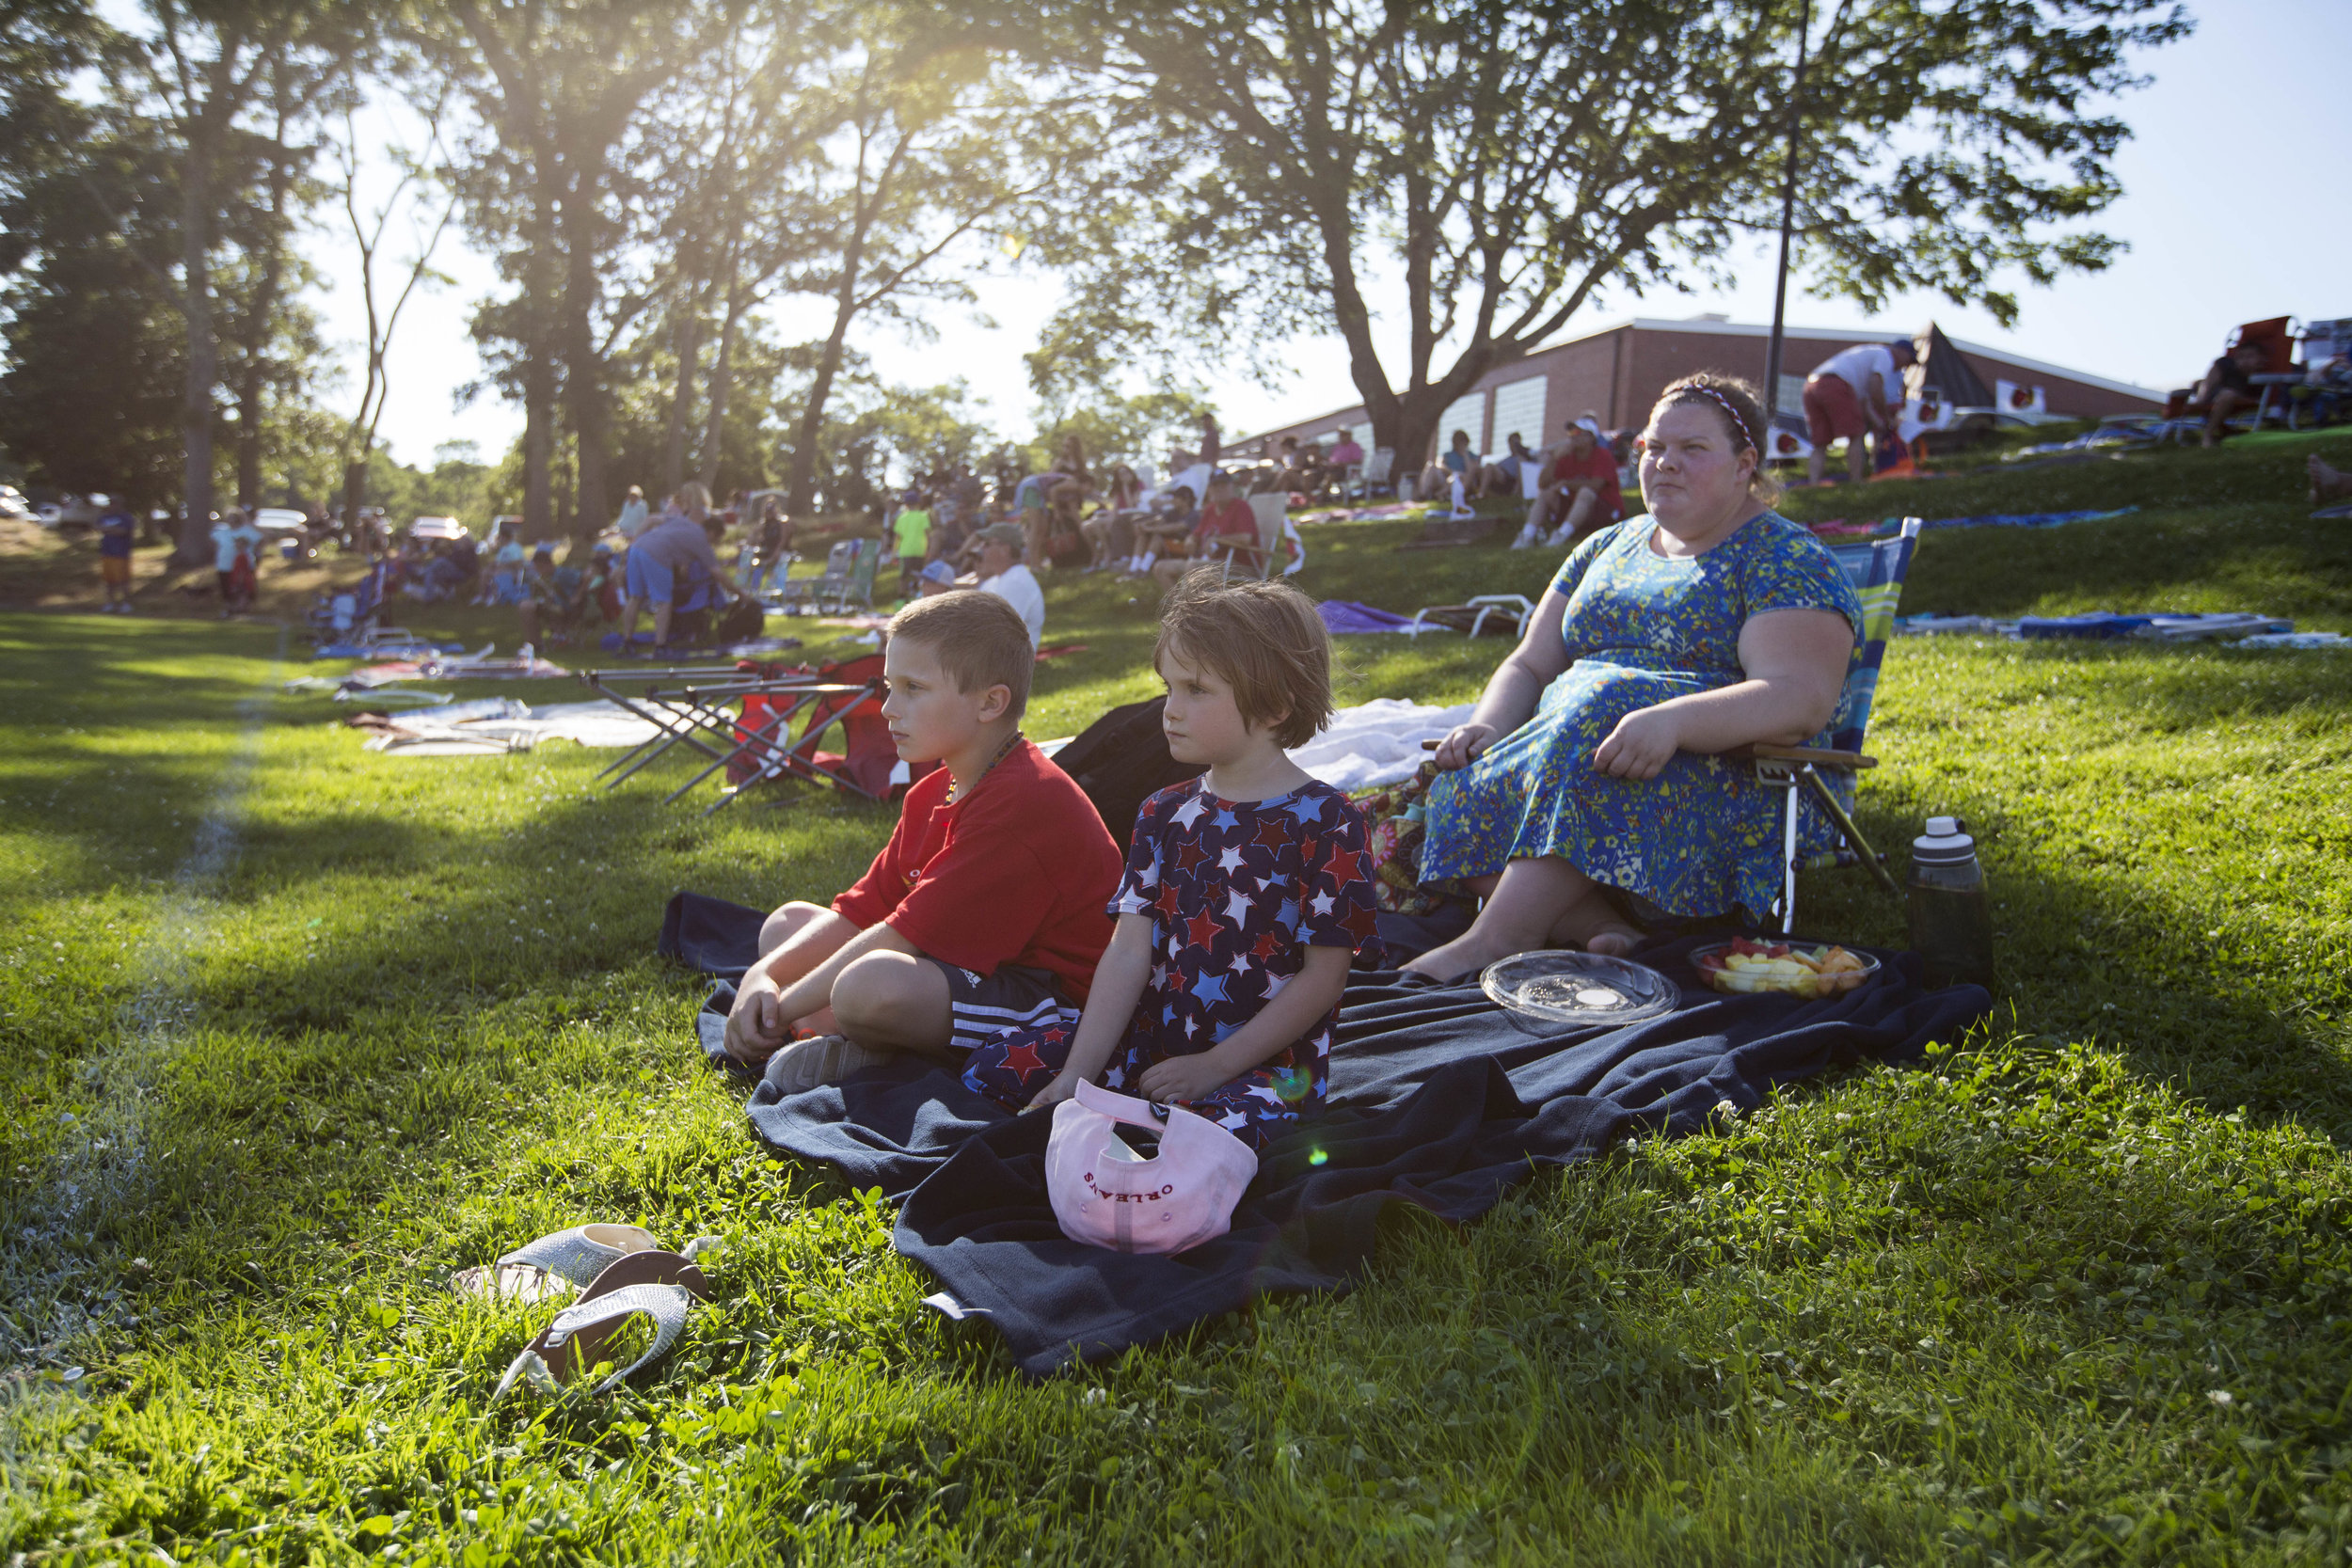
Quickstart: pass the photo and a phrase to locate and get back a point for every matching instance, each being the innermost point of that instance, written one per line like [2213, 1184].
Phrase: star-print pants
[1013, 1066]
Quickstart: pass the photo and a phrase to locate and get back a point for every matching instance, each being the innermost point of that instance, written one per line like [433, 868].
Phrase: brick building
[1618, 371]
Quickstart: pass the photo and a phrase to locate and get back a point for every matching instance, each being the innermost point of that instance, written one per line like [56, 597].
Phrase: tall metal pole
[1788, 214]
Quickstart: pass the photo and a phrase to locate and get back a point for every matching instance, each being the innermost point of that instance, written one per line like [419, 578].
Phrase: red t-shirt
[1019, 872]
[1234, 519]
[1600, 467]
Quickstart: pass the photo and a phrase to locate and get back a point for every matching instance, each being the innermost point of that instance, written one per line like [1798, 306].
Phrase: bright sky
[2224, 226]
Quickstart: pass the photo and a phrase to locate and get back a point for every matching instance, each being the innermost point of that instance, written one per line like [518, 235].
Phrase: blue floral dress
[1704, 836]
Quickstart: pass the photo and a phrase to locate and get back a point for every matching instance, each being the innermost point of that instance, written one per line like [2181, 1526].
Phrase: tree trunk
[538, 349]
[538, 440]
[690, 349]
[583, 368]
[803, 480]
[203, 373]
[255, 345]
[721, 372]
[354, 496]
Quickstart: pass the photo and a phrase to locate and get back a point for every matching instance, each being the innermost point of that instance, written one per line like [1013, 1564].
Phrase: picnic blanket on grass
[1440, 1103]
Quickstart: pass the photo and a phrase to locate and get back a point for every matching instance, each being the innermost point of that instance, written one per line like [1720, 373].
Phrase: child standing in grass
[1246, 893]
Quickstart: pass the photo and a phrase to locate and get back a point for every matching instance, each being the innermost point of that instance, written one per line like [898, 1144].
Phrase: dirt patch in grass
[56, 569]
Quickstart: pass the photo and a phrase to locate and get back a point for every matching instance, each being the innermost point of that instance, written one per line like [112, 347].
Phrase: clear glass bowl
[1568, 987]
[1783, 974]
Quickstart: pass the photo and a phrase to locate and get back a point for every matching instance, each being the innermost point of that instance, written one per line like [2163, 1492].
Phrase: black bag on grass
[1121, 761]
[744, 619]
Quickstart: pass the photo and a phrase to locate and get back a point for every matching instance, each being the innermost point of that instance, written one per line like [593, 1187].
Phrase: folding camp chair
[1471, 617]
[847, 580]
[1276, 536]
[1826, 773]
[2276, 337]
[1375, 480]
[752, 740]
[354, 619]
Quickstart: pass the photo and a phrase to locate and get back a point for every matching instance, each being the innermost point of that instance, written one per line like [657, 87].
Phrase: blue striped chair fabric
[1877, 569]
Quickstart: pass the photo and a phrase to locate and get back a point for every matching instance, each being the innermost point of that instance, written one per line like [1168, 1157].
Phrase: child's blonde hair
[1263, 639]
[980, 640]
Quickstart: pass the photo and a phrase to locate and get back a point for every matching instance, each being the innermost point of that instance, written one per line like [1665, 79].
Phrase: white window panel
[1468, 413]
[1519, 407]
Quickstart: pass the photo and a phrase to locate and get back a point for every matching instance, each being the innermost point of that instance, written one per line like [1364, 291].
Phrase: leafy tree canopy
[1497, 164]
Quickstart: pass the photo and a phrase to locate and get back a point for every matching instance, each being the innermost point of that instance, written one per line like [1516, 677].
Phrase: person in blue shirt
[115, 532]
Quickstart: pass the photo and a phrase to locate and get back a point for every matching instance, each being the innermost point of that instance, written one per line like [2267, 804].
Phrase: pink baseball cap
[1106, 1194]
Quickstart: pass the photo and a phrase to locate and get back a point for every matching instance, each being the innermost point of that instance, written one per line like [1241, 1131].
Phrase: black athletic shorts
[1014, 997]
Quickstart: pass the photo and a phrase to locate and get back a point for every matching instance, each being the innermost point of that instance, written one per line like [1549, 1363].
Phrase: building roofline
[1848, 335]
[1753, 329]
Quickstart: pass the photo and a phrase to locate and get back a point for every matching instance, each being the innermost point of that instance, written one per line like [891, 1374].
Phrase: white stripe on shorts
[970, 1023]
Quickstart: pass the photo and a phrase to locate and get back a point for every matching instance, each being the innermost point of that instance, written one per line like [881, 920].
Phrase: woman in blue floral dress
[1592, 762]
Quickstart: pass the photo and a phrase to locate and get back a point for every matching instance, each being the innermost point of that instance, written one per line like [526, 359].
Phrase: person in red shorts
[1580, 488]
[1855, 395]
[985, 912]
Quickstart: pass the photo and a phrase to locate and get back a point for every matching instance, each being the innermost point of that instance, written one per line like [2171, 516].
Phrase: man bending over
[984, 913]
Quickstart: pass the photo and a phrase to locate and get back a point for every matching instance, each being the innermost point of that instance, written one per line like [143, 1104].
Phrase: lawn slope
[291, 1031]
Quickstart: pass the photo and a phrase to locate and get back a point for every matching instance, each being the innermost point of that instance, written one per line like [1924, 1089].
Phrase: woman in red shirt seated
[1226, 516]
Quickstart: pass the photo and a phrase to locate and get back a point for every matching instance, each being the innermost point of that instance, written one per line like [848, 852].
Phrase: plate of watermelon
[1799, 969]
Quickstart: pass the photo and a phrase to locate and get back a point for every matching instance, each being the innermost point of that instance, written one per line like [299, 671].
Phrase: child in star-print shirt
[1246, 893]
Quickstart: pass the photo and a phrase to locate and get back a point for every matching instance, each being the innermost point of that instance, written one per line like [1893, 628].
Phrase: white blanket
[1376, 743]
[602, 724]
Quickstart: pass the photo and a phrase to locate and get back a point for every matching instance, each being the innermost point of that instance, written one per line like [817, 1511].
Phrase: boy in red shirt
[985, 911]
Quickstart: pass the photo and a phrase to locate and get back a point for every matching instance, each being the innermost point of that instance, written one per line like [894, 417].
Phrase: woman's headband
[1738, 423]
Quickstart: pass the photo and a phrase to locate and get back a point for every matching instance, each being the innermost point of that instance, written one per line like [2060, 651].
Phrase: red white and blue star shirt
[1237, 890]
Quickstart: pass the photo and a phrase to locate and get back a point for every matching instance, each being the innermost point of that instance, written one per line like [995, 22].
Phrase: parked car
[438, 528]
[279, 519]
[83, 511]
[12, 502]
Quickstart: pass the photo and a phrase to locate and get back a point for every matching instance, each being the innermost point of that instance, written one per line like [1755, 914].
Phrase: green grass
[2080, 1290]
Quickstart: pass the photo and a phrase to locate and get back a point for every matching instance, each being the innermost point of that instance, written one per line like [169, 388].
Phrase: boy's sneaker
[1559, 536]
[820, 1060]
[1528, 539]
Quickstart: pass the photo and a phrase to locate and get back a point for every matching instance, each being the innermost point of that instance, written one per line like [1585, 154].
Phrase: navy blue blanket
[1440, 1099]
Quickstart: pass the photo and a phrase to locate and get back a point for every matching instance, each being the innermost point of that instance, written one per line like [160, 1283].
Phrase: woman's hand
[1180, 1080]
[1461, 747]
[1640, 747]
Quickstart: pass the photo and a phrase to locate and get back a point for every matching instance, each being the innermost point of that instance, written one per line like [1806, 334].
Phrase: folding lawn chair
[352, 619]
[1825, 772]
[847, 579]
[1471, 617]
[1276, 536]
[671, 698]
[1375, 480]
[2276, 337]
[751, 740]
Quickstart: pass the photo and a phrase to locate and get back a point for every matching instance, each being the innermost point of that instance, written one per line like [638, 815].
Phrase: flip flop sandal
[661, 1285]
[553, 1264]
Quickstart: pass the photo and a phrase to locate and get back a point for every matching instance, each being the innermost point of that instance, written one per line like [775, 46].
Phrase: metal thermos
[1951, 924]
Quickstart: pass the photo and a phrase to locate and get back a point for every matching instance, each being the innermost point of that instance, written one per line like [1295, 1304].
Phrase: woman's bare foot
[1613, 942]
[2327, 484]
